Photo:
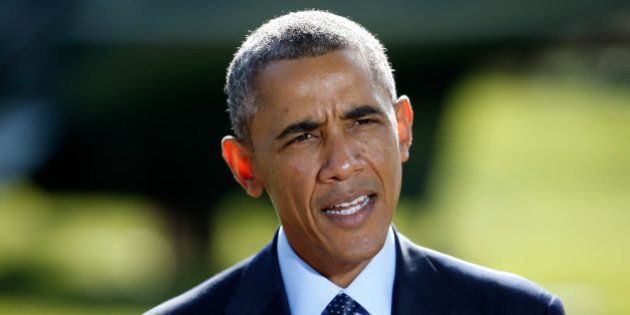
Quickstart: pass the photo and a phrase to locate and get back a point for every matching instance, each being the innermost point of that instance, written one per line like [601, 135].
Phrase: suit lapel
[418, 288]
[260, 290]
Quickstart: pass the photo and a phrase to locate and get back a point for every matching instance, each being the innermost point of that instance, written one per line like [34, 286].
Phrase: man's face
[326, 149]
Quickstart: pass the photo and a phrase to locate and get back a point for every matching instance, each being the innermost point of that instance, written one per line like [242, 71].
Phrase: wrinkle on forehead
[327, 74]
[331, 84]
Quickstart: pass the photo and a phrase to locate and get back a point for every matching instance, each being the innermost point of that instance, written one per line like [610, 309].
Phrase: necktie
[342, 304]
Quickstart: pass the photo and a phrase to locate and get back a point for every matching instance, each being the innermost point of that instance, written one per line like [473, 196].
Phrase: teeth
[351, 203]
[354, 206]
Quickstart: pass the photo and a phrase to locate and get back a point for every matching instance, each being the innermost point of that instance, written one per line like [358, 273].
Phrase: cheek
[379, 146]
[291, 189]
[383, 156]
[291, 180]
[297, 166]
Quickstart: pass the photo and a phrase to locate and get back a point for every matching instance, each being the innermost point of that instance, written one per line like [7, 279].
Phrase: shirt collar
[308, 292]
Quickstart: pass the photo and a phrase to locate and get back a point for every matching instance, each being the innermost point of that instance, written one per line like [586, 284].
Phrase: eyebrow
[308, 125]
[361, 111]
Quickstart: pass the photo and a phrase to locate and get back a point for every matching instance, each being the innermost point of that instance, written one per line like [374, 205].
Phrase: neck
[344, 276]
[338, 271]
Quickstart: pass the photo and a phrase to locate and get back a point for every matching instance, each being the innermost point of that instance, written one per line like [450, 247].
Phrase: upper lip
[346, 198]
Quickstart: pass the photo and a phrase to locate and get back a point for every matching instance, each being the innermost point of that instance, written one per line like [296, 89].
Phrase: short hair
[297, 35]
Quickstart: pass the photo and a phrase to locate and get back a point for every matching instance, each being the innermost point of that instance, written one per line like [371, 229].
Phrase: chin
[357, 252]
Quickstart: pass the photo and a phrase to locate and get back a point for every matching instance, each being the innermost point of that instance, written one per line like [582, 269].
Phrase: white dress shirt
[308, 292]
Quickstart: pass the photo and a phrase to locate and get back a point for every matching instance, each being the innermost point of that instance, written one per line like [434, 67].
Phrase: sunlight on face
[326, 148]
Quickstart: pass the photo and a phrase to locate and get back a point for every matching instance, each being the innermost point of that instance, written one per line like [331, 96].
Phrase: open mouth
[349, 207]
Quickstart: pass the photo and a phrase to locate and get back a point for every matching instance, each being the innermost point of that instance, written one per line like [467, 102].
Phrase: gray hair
[292, 36]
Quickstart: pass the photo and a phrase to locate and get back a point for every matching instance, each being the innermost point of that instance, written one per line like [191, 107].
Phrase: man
[318, 127]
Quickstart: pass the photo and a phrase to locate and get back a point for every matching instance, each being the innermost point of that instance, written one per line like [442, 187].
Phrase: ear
[404, 121]
[238, 157]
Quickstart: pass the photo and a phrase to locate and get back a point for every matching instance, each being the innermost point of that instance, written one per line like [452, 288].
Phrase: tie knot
[343, 304]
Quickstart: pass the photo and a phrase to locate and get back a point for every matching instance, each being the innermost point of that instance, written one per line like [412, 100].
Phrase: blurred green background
[114, 197]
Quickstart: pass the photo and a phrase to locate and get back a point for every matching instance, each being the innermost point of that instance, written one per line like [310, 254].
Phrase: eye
[302, 137]
[363, 121]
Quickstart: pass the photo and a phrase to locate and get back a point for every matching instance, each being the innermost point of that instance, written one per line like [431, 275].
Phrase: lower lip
[352, 220]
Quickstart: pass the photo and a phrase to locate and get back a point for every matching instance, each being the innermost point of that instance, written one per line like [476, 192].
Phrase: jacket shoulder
[486, 290]
[211, 296]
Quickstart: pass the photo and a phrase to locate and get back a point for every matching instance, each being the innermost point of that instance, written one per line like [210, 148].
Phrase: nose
[341, 160]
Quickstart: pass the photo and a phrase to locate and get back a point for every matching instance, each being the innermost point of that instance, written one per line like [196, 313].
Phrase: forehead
[313, 80]
[312, 89]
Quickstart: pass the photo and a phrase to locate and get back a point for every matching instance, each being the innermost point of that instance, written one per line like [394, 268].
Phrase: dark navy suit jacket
[426, 282]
